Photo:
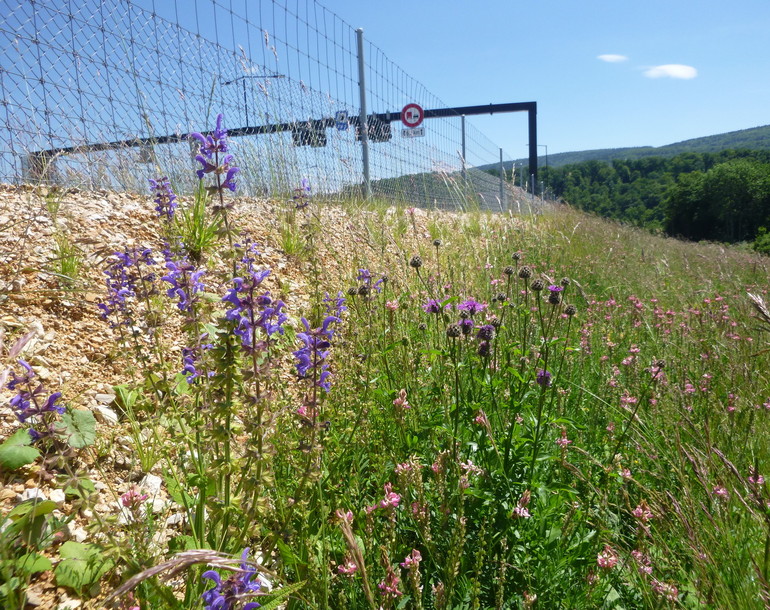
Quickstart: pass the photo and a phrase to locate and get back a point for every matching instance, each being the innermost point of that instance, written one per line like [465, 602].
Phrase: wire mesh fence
[101, 93]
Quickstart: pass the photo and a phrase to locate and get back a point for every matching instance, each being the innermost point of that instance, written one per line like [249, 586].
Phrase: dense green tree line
[723, 196]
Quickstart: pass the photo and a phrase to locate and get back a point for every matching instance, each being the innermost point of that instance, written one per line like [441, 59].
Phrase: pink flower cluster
[391, 500]
[607, 559]
[401, 402]
[520, 511]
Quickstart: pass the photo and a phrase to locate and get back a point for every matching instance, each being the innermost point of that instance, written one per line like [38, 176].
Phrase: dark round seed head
[501, 297]
[537, 285]
[363, 290]
[453, 331]
[437, 242]
[416, 262]
[570, 310]
[659, 364]
[494, 321]
[554, 298]
[486, 333]
[516, 256]
[353, 291]
[509, 270]
[423, 326]
[525, 272]
[484, 349]
[565, 281]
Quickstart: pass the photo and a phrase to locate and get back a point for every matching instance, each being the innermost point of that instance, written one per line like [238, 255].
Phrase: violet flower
[249, 310]
[543, 378]
[127, 280]
[224, 595]
[165, 198]
[366, 278]
[335, 306]
[185, 280]
[432, 306]
[212, 147]
[29, 401]
[302, 195]
[311, 357]
[471, 306]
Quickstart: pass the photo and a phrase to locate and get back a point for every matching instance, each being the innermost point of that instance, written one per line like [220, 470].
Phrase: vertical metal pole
[532, 184]
[502, 181]
[362, 122]
[462, 124]
[532, 121]
[245, 103]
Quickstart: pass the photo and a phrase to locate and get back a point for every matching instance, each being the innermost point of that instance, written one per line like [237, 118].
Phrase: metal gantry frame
[374, 127]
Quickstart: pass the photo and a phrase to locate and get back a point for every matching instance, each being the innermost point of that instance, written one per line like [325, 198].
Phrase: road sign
[412, 115]
[341, 120]
[416, 132]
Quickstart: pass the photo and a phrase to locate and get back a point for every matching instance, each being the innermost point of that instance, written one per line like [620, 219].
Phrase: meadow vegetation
[473, 410]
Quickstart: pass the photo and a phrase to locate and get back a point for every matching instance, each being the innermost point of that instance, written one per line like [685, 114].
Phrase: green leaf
[126, 398]
[80, 428]
[275, 599]
[31, 563]
[31, 508]
[15, 452]
[82, 565]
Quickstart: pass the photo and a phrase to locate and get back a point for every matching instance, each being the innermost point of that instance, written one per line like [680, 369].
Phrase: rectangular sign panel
[417, 132]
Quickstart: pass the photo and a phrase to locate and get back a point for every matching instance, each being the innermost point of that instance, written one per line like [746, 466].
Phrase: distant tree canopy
[722, 196]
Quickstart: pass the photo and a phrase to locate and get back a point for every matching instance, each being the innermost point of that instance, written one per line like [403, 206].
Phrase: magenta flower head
[432, 306]
[471, 307]
[543, 378]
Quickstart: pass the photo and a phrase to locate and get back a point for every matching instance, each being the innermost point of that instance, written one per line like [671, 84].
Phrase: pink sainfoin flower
[348, 568]
[403, 468]
[563, 441]
[401, 402]
[389, 586]
[391, 499]
[391, 305]
[642, 512]
[520, 511]
[412, 560]
[755, 478]
[343, 515]
[670, 592]
[133, 498]
[721, 492]
[643, 563]
[607, 559]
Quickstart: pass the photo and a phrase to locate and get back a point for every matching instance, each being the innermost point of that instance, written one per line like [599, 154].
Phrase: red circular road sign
[412, 115]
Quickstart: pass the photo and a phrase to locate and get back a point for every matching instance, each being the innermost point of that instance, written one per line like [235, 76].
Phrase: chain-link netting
[100, 94]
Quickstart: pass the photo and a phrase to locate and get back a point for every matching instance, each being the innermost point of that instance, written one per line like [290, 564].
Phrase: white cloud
[613, 59]
[671, 71]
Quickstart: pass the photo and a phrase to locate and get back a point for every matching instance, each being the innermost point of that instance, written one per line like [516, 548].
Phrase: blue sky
[684, 69]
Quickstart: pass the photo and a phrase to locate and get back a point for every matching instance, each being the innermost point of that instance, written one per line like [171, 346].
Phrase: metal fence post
[362, 121]
[462, 161]
[502, 182]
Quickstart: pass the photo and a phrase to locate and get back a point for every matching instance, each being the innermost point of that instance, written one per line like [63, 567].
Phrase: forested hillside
[755, 138]
[721, 196]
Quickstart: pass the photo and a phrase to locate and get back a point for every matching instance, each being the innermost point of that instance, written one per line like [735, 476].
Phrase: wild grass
[478, 411]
